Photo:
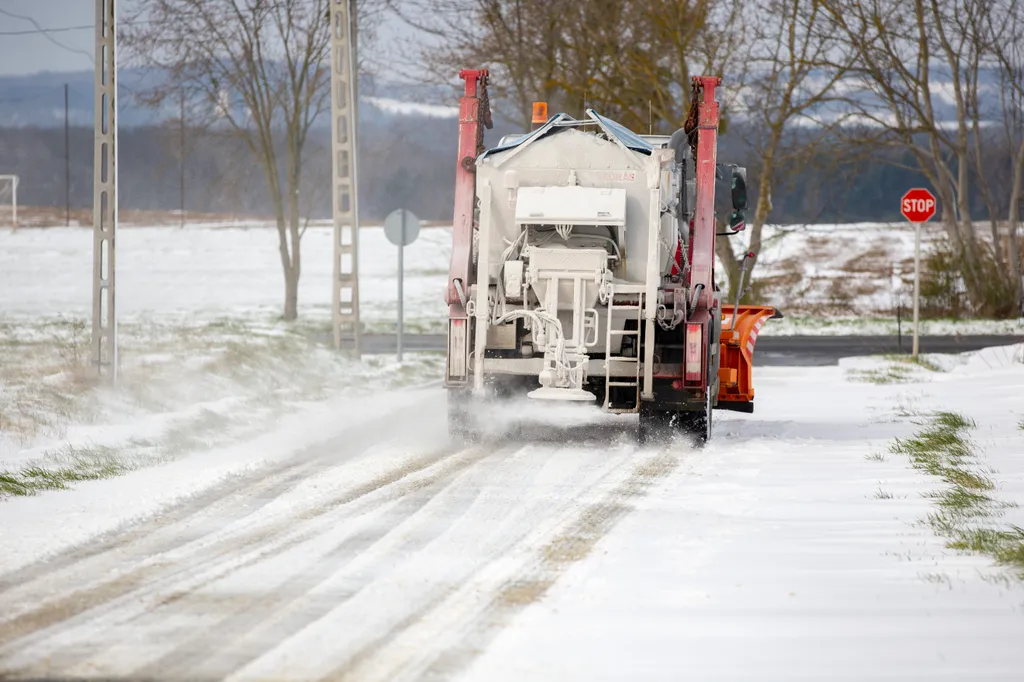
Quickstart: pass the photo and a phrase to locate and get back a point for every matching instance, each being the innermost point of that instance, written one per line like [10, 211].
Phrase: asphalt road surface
[779, 351]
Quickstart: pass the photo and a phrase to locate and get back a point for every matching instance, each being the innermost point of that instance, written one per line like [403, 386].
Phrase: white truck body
[569, 217]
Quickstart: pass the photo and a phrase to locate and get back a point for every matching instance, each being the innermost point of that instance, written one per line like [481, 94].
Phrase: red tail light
[694, 332]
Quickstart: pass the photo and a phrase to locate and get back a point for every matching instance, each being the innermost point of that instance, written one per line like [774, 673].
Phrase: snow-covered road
[375, 552]
[384, 551]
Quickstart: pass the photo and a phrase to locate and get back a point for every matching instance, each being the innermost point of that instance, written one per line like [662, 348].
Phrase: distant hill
[38, 100]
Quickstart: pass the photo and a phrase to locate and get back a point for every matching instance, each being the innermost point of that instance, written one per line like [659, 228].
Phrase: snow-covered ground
[249, 505]
[359, 542]
[828, 279]
[204, 358]
[210, 272]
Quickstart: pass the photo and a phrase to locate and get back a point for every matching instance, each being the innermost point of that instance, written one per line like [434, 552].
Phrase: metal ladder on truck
[633, 380]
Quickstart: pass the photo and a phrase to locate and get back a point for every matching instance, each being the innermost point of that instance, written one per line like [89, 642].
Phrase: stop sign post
[917, 206]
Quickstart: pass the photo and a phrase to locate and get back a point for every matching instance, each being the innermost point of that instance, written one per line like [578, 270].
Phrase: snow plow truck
[583, 269]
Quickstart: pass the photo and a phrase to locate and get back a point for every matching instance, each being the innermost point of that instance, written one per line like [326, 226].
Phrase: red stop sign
[918, 205]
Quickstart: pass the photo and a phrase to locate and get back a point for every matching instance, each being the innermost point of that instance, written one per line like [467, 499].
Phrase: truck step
[630, 384]
[624, 332]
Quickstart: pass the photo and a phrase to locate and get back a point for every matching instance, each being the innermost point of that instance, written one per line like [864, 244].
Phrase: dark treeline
[406, 162]
[409, 162]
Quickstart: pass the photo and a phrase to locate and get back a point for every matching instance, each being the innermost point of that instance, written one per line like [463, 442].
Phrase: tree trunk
[1014, 219]
[291, 294]
[294, 270]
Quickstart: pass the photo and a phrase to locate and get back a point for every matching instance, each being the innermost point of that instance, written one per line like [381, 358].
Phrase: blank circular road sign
[401, 227]
[918, 205]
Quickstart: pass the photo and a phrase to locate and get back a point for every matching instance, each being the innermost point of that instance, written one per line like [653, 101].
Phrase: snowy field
[205, 272]
[248, 504]
[828, 279]
[358, 542]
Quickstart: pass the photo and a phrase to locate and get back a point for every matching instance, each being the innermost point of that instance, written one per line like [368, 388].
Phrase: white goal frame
[11, 187]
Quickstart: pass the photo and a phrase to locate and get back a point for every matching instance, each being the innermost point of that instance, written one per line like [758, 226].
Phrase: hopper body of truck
[583, 269]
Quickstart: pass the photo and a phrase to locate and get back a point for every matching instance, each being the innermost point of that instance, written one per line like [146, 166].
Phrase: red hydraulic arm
[474, 114]
[702, 130]
[702, 127]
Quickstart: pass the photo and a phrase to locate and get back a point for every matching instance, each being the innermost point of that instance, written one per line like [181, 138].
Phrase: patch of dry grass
[966, 510]
[219, 381]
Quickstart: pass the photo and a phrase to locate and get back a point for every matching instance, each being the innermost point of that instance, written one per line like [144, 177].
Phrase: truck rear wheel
[697, 423]
[660, 425]
[654, 424]
[460, 421]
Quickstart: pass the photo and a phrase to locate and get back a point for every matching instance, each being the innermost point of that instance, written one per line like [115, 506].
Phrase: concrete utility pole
[181, 160]
[67, 161]
[104, 198]
[345, 297]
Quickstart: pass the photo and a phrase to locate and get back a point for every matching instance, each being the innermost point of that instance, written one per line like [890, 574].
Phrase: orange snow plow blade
[735, 387]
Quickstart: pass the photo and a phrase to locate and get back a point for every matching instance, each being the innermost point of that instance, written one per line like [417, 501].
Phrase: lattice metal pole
[345, 299]
[104, 199]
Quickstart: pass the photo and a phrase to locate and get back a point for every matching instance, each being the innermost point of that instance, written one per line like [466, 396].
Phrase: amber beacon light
[540, 114]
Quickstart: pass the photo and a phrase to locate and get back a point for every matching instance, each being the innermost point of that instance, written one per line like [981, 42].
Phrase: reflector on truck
[457, 350]
[694, 357]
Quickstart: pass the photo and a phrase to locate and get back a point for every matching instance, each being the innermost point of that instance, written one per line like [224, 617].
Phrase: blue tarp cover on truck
[614, 130]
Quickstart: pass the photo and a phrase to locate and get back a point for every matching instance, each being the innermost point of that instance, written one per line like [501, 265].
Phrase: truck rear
[583, 270]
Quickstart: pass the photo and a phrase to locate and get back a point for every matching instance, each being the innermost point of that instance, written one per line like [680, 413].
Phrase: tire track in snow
[276, 614]
[574, 534]
[569, 547]
[262, 485]
[131, 626]
[153, 575]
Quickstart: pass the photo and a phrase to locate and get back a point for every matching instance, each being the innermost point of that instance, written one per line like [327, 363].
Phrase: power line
[38, 31]
[43, 32]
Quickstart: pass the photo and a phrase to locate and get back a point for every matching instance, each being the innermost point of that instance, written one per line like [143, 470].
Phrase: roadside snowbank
[183, 388]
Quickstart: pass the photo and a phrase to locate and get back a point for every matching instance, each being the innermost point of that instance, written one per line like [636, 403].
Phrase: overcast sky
[31, 53]
[35, 52]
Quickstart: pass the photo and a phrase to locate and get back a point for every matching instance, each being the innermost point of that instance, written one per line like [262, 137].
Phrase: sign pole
[917, 286]
[401, 275]
[401, 227]
[917, 206]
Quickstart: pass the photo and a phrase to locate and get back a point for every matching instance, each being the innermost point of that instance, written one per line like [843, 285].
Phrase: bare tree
[1004, 30]
[911, 53]
[788, 87]
[259, 67]
[630, 59]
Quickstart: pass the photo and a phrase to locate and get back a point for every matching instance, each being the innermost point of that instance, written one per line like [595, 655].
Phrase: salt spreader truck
[583, 269]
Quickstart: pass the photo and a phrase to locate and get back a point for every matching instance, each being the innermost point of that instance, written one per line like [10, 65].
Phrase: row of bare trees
[260, 68]
[911, 55]
[803, 76]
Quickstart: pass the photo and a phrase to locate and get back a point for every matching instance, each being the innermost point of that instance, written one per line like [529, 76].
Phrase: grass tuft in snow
[893, 374]
[1020, 425]
[965, 509]
[68, 465]
[920, 361]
